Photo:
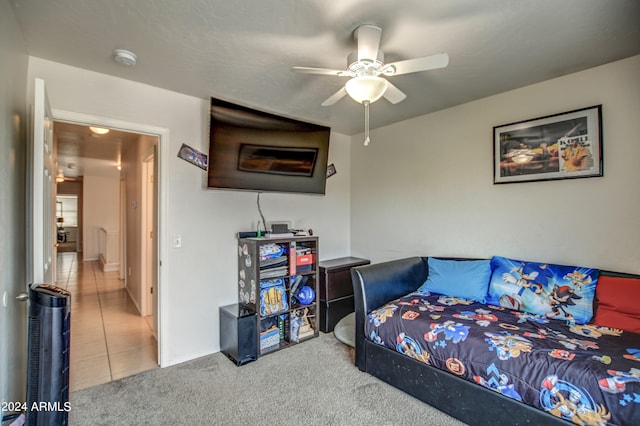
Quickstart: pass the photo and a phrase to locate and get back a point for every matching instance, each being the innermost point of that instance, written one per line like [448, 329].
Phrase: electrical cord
[264, 224]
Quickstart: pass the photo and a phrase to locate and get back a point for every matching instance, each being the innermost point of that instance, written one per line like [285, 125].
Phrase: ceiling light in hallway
[99, 130]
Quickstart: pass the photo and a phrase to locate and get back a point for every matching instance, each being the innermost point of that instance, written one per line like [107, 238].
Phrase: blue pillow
[467, 279]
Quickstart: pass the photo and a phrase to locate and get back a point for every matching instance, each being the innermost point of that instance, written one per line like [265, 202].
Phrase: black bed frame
[375, 285]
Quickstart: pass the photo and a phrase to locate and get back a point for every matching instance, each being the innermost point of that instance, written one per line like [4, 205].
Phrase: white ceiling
[242, 50]
[80, 151]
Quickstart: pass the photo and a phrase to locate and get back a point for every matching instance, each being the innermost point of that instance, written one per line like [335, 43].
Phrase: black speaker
[239, 333]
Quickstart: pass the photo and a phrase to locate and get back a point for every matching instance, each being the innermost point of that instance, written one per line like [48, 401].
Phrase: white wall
[202, 274]
[132, 159]
[101, 209]
[13, 151]
[425, 186]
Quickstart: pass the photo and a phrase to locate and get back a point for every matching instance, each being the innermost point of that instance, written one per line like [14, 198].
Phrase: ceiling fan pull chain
[366, 123]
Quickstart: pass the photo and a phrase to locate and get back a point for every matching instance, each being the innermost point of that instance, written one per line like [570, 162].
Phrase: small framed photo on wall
[331, 170]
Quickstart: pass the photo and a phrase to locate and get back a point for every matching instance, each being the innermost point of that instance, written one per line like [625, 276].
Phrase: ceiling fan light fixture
[60, 176]
[366, 88]
[99, 130]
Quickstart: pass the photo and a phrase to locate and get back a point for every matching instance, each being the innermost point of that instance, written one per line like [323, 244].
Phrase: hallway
[109, 339]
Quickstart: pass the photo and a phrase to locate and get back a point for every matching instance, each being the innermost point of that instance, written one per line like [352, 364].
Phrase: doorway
[158, 193]
[67, 222]
[111, 332]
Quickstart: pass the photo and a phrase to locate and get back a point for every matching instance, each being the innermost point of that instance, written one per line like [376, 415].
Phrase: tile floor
[109, 338]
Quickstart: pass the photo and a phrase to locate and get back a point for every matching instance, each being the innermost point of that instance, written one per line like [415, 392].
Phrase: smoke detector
[125, 57]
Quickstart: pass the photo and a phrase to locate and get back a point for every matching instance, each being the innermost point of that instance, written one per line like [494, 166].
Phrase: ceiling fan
[60, 177]
[367, 70]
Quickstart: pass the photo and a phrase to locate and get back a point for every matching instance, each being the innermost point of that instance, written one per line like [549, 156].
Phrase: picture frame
[193, 156]
[559, 146]
[331, 170]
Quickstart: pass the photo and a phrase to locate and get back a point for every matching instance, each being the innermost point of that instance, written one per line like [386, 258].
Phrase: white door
[40, 258]
[148, 233]
[42, 192]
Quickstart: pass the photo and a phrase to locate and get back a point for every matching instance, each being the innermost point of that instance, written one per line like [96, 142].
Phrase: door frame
[162, 199]
[148, 225]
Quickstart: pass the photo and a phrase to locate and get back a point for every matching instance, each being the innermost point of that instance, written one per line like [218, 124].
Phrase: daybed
[503, 365]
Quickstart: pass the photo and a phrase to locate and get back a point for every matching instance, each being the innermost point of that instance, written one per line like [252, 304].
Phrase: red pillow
[618, 303]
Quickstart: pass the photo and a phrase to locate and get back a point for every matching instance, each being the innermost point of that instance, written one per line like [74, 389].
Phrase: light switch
[177, 241]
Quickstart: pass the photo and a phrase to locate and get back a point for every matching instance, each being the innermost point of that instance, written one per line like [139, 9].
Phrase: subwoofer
[239, 333]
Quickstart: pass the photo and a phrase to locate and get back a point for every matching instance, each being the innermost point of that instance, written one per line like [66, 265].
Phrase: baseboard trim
[108, 267]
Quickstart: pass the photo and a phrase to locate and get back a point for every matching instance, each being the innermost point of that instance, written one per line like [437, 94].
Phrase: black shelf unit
[272, 274]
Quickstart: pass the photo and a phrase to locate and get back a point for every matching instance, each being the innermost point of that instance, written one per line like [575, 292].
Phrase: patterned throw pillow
[556, 291]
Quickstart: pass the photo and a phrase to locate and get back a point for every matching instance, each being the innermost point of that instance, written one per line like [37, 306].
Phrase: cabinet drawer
[335, 277]
[335, 284]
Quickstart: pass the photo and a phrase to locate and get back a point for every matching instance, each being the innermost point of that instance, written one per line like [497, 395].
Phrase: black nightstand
[336, 290]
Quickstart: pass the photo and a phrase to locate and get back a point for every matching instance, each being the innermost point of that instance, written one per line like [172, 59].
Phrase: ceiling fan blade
[322, 71]
[368, 38]
[432, 62]
[335, 97]
[393, 94]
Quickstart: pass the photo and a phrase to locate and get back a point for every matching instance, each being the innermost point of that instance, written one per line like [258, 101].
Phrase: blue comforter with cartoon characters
[583, 373]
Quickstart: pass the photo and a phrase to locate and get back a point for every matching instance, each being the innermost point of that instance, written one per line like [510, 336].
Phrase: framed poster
[193, 156]
[560, 146]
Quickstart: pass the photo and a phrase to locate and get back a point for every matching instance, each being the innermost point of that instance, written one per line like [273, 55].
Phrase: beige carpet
[313, 383]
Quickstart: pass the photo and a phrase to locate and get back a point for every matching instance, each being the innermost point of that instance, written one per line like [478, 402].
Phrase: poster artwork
[575, 153]
[560, 146]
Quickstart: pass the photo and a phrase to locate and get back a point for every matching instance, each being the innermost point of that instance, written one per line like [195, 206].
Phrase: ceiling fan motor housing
[365, 66]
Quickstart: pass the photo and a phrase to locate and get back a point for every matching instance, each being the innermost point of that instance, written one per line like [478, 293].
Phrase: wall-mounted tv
[257, 151]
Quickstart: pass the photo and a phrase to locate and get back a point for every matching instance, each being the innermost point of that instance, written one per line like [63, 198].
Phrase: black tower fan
[48, 364]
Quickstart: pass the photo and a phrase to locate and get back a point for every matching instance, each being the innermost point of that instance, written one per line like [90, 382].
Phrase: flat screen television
[257, 151]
